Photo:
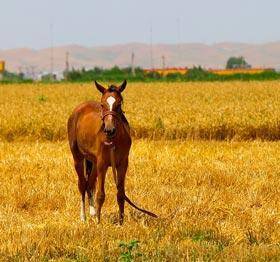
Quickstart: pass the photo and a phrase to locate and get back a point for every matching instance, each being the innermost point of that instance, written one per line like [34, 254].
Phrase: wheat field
[220, 111]
[216, 200]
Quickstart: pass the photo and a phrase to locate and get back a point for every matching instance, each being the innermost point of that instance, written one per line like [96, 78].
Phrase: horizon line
[140, 43]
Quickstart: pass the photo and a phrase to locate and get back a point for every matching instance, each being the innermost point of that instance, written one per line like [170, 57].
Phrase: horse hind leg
[91, 175]
[82, 184]
[100, 190]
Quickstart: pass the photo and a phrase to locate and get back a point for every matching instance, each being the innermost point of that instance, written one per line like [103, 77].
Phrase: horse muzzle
[110, 132]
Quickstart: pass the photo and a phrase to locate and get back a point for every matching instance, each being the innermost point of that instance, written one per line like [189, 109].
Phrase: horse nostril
[110, 132]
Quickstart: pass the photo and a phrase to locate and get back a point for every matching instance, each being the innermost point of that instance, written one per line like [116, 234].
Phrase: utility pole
[151, 47]
[27, 71]
[132, 64]
[51, 54]
[179, 37]
[163, 62]
[32, 67]
[66, 65]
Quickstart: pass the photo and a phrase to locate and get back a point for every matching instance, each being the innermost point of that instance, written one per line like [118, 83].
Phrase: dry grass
[222, 111]
[216, 201]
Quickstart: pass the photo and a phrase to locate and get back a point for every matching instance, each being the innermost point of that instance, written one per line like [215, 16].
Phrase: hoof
[121, 221]
[92, 211]
[98, 220]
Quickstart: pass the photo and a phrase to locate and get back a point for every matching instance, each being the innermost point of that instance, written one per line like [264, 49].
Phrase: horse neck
[123, 125]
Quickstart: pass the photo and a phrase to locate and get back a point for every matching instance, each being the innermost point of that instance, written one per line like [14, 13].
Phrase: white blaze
[111, 100]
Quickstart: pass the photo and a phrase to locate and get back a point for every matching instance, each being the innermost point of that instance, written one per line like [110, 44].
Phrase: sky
[28, 23]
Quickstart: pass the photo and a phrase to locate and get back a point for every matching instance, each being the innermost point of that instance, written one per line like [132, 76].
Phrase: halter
[109, 141]
[109, 113]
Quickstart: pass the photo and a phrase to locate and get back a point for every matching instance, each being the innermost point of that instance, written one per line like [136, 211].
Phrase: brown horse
[99, 137]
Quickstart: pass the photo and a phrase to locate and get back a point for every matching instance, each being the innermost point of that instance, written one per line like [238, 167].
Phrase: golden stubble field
[221, 111]
[216, 200]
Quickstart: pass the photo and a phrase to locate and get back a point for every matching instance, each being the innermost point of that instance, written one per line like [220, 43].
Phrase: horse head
[111, 102]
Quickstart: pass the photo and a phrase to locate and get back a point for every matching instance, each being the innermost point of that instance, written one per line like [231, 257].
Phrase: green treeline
[8, 77]
[193, 74]
[117, 74]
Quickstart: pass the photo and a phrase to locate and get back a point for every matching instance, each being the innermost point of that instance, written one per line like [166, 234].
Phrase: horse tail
[138, 208]
[113, 164]
[87, 171]
[88, 167]
[128, 200]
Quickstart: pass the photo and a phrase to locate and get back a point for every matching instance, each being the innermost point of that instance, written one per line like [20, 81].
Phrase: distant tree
[14, 77]
[21, 76]
[237, 62]
[49, 78]
[153, 75]
[197, 73]
[97, 70]
[74, 75]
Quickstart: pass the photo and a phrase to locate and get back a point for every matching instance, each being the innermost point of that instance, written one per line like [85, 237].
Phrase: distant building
[2, 66]
[2, 69]
[57, 76]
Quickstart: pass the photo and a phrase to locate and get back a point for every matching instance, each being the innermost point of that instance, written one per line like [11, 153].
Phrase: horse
[99, 137]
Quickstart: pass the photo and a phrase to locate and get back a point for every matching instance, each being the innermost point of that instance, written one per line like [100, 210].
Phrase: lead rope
[112, 159]
[113, 164]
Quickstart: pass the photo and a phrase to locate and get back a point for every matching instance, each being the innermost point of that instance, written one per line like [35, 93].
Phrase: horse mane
[113, 88]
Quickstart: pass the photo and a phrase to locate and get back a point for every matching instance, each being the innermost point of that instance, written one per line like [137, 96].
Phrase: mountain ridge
[176, 55]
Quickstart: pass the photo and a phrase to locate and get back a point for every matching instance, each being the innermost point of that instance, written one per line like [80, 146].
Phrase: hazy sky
[26, 23]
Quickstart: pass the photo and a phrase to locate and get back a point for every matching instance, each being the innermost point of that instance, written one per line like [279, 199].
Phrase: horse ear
[100, 88]
[122, 86]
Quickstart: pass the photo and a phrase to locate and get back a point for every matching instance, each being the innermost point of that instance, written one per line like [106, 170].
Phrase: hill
[185, 54]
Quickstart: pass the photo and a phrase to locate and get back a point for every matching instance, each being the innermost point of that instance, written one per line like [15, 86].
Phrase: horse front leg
[82, 185]
[121, 173]
[91, 188]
